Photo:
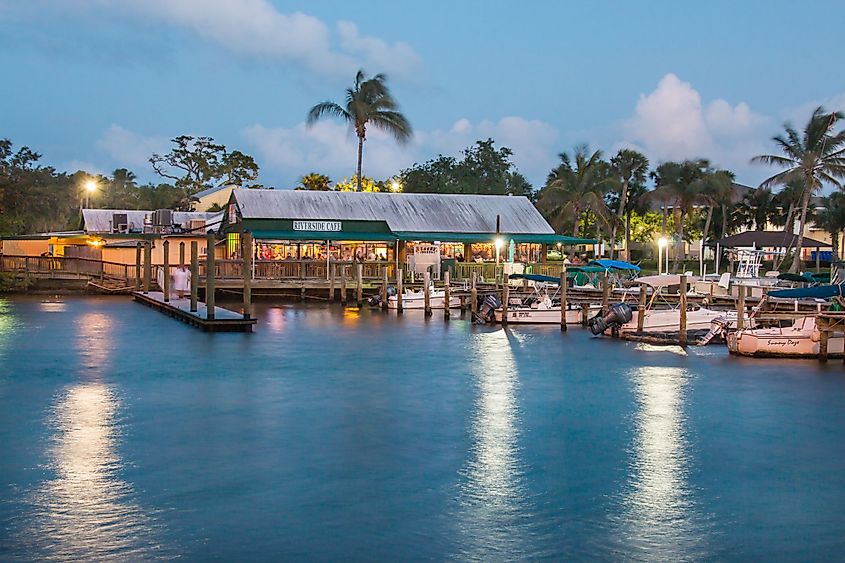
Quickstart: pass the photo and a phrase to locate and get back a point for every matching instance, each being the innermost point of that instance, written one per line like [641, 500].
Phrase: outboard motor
[487, 311]
[616, 316]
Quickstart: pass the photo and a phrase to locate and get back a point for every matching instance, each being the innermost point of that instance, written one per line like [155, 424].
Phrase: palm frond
[327, 108]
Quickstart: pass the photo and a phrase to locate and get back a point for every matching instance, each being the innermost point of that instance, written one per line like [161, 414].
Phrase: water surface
[332, 434]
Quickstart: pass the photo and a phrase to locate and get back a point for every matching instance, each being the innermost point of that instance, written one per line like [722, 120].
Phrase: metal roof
[440, 213]
[768, 239]
[208, 191]
[99, 220]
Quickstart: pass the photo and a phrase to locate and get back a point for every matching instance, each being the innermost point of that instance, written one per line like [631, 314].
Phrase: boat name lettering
[333, 226]
[788, 342]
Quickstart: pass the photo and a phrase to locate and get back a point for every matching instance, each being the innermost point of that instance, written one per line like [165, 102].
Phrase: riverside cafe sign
[325, 226]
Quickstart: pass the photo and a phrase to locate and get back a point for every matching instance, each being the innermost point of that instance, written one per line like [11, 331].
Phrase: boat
[543, 305]
[801, 340]
[669, 319]
[412, 299]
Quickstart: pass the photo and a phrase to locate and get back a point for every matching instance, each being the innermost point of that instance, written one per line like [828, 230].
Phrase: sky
[102, 84]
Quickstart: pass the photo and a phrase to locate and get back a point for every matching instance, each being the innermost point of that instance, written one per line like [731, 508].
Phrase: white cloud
[82, 166]
[129, 149]
[256, 28]
[672, 123]
[328, 147]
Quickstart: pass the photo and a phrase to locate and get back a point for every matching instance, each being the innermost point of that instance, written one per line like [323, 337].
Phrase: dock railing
[66, 267]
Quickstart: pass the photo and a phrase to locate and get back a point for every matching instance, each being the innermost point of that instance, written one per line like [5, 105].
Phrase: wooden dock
[224, 320]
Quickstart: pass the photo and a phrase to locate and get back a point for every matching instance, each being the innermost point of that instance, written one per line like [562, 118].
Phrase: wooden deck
[224, 320]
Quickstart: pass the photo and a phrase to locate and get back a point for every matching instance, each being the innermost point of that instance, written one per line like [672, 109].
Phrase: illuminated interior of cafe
[316, 250]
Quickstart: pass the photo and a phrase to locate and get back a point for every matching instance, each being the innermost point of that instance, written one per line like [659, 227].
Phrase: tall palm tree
[814, 157]
[368, 102]
[629, 167]
[682, 184]
[757, 208]
[832, 219]
[577, 185]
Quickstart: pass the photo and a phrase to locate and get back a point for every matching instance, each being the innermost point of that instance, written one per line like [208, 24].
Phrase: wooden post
[563, 303]
[359, 294]
[740, 307]
[399, 290]
[641, 307]
[331, 282]
[447, 296]
[384, 288]
[181, 254]
[246, 254]
[148, 265]
[585, 313]
[138, 267]
[209, 277]
[427, 293]
[605, 293]
[166, 270]
[195, 275]
[473, 295]
[506, 294]
[682, 329]
[824, 336]
[343, 285]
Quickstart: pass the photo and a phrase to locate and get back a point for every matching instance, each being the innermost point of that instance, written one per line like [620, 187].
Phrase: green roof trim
[551, 239]
[446, 237]
[322, 235]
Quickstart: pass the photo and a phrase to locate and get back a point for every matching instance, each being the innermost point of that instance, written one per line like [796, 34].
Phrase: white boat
[543, 315]
[416, 300]
[801, 340]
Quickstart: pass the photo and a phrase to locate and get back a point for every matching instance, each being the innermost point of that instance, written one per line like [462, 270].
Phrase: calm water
[338, 435]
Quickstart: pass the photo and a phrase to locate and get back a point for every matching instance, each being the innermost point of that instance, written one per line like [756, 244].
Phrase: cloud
[672, 123]
[129, 149]
[255, 28]
[329, 147]
[81, 166]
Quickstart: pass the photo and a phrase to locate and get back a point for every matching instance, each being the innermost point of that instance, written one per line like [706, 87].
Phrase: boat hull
[799, 341]
[417, 301]
[670, 320]
[522, 315]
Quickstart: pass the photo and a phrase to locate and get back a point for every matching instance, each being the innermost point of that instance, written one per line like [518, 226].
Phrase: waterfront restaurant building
[389, 227]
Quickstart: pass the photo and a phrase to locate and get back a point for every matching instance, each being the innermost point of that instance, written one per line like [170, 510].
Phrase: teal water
[362, 436]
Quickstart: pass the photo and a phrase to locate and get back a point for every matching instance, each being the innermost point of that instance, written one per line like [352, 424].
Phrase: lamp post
[90, 188]
[499, 243]
[661, 246]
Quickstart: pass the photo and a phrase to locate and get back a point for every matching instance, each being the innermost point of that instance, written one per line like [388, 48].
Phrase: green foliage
[368, 102]
[9, 283]
[198, 163]
[484, 169]
[315, 182]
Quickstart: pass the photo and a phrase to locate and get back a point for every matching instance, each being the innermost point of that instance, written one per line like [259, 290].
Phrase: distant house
[207, 199]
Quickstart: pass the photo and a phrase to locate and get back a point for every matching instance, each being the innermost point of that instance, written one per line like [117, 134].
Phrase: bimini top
[818, 292]
[535, 277]
[615, 265]
[403, 213]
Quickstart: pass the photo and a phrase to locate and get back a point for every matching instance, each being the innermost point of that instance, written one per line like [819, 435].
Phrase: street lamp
[90, 188]
[662, 244]
[498, 243]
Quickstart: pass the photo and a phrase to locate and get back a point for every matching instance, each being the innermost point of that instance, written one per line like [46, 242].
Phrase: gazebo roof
[767, 239]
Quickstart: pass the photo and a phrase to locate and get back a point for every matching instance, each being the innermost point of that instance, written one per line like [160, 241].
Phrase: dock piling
[331, 282]
[824, 337]
[399, 308]
[343, 285]
[195, 275]
[246, 253]
[359, 280]
[585, 314]
[148, 265]
[384, 288]
[563, 303]
[682, 329]
[138, 267]
[447, 296]
[166, 271]
[209, 276]
[506, 293]
[427, 293]
[605, 293]
[740, 308]
[473, 296]
[641, 307]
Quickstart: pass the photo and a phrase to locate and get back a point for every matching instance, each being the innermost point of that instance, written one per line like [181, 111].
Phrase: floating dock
[224, 320]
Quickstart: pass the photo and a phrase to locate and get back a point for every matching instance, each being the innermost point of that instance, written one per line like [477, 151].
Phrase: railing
[66, 266]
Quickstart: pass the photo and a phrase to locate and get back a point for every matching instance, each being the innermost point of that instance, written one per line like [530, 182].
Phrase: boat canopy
[615, 265]
[534, 277]
[818, 292]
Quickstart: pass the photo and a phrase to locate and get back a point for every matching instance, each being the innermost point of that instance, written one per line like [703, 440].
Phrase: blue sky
[101, 84]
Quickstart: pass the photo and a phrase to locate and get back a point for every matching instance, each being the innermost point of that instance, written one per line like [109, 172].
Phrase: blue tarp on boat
[615, 264]
[818, 292]
[535, 277]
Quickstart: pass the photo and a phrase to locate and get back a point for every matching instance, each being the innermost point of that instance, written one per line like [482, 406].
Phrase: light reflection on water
[658, 513]
[492, 492]
[87, 511]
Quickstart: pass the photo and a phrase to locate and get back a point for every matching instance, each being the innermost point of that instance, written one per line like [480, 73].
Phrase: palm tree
[682, 184]
[315, 182]
[814, 157]
[831, 218]
[629, 167]
[757, 208]
[368, 102]
[575, 187]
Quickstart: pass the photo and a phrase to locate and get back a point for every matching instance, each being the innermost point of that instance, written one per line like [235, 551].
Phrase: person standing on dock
[181, 281]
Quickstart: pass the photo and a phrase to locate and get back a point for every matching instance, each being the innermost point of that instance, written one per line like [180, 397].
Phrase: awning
[322, 235]
[538, 238]
[551, 239]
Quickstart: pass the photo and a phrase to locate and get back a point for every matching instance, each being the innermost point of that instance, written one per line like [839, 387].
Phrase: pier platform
[224, 320]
